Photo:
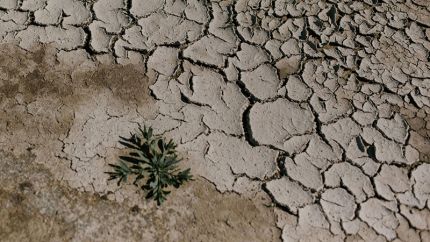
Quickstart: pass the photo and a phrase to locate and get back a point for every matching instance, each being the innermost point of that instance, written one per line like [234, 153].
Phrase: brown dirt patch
[36, 207]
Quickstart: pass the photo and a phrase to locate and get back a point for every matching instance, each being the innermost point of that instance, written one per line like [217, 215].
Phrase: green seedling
[153, 162]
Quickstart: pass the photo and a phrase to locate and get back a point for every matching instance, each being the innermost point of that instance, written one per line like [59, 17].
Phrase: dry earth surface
[302, 120]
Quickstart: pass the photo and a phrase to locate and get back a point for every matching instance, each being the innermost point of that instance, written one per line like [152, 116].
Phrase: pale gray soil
[301, 120]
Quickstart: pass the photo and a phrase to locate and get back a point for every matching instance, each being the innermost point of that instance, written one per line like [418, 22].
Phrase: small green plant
[153, 161]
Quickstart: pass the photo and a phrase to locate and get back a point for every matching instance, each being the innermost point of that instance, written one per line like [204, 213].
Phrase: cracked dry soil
[37, 199]
[301, 120]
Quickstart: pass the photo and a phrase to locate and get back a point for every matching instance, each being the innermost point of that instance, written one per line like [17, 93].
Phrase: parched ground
[302, 120]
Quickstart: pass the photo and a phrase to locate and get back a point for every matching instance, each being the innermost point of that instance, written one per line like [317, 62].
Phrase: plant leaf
[150, 157]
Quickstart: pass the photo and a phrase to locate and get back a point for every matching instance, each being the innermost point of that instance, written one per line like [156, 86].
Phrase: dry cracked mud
[301, 120]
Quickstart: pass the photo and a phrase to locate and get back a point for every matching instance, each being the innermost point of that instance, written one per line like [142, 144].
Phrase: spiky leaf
[153, 158]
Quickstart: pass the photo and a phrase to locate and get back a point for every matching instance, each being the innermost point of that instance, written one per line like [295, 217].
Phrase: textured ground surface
[301, 120]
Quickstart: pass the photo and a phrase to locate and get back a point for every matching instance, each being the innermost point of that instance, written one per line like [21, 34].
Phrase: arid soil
[42, 197]
[301, 120]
